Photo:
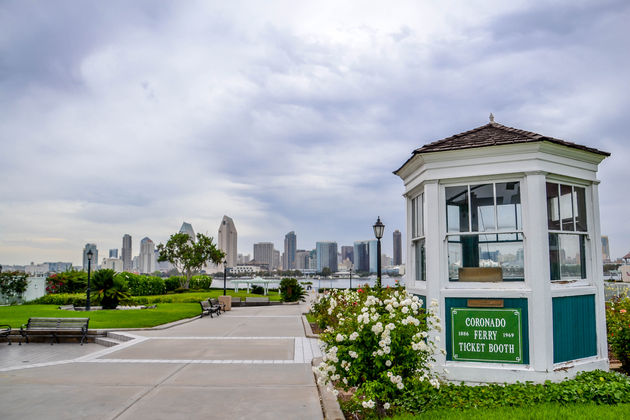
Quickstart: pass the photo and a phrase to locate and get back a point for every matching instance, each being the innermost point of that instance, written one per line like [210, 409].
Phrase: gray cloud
[126, 117]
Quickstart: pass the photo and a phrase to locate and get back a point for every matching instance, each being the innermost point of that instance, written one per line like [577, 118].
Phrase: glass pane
[420, 260]
[482, 207]
[580, 209]
[457, 209]
[566, 207]
[508, 206]
[566, 256]
[553, 207]
[454, 257]
[420, 216]
[496, 251]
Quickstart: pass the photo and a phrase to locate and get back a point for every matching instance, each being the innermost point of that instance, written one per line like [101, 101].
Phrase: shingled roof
[493, 134]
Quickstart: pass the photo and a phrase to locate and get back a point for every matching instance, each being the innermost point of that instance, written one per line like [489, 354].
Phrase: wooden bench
[208, 309]
[55, 327]
[236, 301]
[5, 331]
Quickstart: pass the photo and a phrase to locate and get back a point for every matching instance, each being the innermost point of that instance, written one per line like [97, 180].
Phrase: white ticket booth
[503, 231]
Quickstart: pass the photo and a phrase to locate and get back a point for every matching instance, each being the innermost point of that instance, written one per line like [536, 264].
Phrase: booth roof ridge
[495, 134]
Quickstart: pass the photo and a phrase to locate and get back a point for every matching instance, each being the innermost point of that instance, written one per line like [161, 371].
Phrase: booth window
[484, 232]
[566, 222]
[418, 242]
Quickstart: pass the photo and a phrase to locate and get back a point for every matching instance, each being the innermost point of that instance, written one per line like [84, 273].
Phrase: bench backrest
[213, 301]
[256, 299]
[70, 323]
[205, 304]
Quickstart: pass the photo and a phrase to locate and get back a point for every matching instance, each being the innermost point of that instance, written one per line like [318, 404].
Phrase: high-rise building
[263, 253]
[301, 259]
[126, 253]
[605, 249]
[290, 243]
[94, 265]
[188, 229]
[326, 256]
[347, 253]
[362, 256]
[276, 260]
[113, 264]
[146, 260]
[397, 248]
[373, 251]
[227, 240]
[113, 253]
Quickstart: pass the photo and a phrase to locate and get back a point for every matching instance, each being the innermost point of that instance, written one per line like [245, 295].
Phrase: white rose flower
[388, 363]
[386, 406]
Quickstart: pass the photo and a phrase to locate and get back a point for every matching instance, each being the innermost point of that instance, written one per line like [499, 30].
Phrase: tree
[326, 272]
[13, 284]
[110, 288]
[188, 255]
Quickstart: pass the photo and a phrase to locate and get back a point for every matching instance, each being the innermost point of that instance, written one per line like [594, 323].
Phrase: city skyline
[286, 117]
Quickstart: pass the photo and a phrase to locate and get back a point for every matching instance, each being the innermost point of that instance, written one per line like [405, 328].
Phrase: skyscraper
[605, 249]
[126, 252]
[227, 240]
[301, 259]
[326, 256]
[290, 243]
[113, 253]
[373, 251]
[263, 253]
[147, 256]
[94, 264]
[361, 256]
[397, 248]
[276, 259]
[347, 252]
[188, 229]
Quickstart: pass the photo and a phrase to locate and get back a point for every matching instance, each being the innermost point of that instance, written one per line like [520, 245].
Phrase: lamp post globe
[90, 254]
[379, 228]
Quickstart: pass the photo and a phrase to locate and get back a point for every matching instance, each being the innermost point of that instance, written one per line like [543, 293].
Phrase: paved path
[252, 363]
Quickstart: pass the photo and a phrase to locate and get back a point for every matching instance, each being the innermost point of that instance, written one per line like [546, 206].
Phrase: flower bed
[618, 326]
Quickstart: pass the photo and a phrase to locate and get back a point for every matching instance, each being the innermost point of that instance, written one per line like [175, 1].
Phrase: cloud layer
[124, 117]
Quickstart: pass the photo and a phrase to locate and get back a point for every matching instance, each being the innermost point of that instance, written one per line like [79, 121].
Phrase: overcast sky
[134, 116]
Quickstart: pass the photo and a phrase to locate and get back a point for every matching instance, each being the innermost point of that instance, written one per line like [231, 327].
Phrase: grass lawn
[542, 411]
[17, 315]
[197, 296]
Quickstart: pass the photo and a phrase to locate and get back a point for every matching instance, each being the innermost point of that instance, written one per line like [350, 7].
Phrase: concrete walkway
[252, 362]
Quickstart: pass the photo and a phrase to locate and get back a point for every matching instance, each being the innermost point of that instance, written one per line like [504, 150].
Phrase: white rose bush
[376, 343]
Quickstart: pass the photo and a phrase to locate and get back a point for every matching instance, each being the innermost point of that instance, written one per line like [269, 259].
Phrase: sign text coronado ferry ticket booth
[503, 231]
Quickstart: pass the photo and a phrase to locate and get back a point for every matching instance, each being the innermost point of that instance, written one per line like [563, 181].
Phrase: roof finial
[491, 118]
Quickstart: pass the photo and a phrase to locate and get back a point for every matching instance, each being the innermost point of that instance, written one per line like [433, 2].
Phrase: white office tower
[187, 228]
[94, 263]
[227, 240]
[126, 253]
[263, 254]
[147, 256]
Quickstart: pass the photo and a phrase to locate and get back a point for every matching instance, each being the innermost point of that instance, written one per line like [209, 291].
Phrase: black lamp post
[224, 276]
[89, 255]
[350, 276]
[379, 228]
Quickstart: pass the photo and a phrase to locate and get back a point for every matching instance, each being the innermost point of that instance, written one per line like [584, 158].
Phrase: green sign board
[486, 335]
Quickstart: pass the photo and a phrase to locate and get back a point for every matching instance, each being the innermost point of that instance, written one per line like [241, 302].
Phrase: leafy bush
[376, 341]
[110, 288]
[13, 284]
[291, 290]
[618, 326]
[144, 285]
[71, 281]
[201, 282]
[173, 282]
[257, 290]
[588, 387]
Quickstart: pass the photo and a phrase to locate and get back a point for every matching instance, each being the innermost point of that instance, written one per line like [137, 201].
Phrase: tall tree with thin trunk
[188, 255]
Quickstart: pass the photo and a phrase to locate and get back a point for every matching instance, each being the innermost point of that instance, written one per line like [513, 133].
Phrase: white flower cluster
[368, 404]
[396, 380]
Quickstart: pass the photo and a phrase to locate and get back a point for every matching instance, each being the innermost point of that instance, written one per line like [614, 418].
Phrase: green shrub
[54, 299]
[202, 282]
[71, 281]
[618, 326]
[140, 285]
[588, 387]
[257, 290]
[291, 290]
[173, 282]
